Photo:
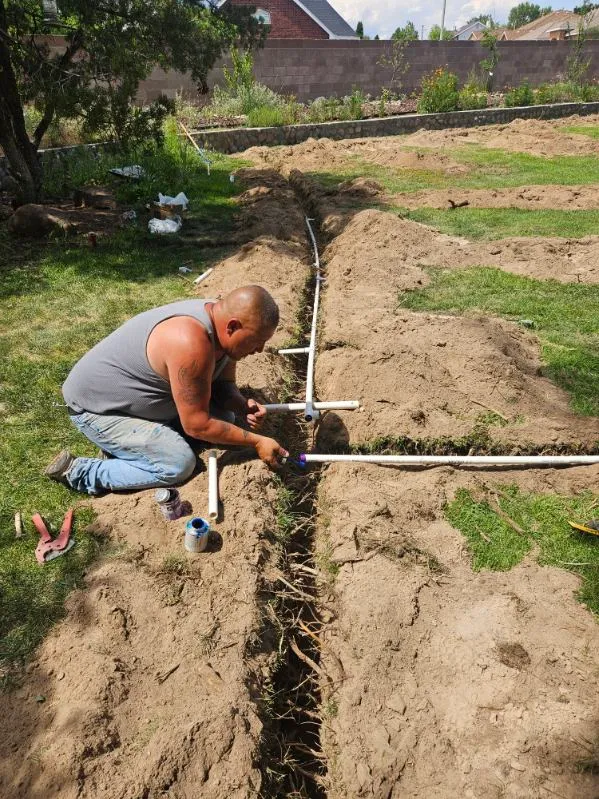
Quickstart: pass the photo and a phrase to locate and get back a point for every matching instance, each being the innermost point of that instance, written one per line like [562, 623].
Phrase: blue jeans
[145, 454]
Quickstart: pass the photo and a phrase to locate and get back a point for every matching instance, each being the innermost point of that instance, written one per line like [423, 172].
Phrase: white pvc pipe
[203, 276]
[212, 485]
[458, 460]
[342, 405]
[311, 413]
[295, 351]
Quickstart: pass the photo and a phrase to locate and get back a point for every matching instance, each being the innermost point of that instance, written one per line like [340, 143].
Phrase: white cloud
[384, 16]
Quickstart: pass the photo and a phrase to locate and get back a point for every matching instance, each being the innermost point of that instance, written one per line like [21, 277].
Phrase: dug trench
[437, 680]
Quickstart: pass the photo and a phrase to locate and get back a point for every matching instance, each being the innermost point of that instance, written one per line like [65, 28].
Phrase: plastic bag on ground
[180, 199]
[165, 225]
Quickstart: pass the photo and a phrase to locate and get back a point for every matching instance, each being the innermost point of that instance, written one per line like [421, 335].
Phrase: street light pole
[442, 21]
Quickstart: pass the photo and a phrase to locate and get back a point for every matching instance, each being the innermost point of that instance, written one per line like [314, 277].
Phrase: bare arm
[190, 365]
[226, 394]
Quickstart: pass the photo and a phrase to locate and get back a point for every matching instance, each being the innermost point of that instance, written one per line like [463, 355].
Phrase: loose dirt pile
[438, 681]
[424, 375]
[318, 155]
[530, 198]
[148, 687]
[535, 136]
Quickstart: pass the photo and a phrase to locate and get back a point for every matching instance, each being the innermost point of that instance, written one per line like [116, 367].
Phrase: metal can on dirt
[197, 532]
[170, 503]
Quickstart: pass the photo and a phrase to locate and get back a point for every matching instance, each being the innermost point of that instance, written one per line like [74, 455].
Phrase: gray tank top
[115, 377]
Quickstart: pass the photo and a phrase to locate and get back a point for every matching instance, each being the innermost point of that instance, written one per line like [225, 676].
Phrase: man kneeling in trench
[160, 384]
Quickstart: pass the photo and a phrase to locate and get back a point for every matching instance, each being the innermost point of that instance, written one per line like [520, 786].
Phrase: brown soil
[422, 375]
[318, 155]
[438, 681]
[535, 136]
[561, 198]
[150, 682]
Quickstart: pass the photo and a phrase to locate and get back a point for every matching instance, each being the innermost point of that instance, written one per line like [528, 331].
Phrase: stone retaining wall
[234, 140]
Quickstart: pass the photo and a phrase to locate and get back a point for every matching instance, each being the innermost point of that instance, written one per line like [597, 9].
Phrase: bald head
[244, 320]
[252, 304]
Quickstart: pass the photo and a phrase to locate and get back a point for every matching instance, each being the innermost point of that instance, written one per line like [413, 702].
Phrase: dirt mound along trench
[424, 375]
[317, 155]
[148, 687]
[438, 681]
[534, 136]
[562, 198]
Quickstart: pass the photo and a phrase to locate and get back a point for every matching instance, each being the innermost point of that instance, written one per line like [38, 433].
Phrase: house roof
[501, 33]
[476, 25]
[539, 28]
[324, 15]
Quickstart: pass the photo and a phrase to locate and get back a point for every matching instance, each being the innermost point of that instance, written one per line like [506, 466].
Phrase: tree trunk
[23, 161]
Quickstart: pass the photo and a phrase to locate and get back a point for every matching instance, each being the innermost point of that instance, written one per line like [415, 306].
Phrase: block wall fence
[310, 68]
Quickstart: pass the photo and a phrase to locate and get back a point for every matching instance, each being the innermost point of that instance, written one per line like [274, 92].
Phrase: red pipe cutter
[49, 548]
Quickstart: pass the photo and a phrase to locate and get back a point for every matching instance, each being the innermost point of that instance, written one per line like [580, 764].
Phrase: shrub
[287, 113]
[355, 102]
[326, 109]
[471, 97]
[439, 92]
[519, 96]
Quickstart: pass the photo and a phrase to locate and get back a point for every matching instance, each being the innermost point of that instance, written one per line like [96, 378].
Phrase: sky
[384, 16]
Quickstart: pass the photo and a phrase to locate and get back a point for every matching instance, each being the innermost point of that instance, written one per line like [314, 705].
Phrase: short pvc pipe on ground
[290, 407]
[456, 460]
[212, 485]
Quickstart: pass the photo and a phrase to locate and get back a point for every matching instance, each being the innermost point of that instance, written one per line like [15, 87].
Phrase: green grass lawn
[565, 316]
[542, 519]
[583, 130]
[486, 169]
[57, 300]
[499, 223]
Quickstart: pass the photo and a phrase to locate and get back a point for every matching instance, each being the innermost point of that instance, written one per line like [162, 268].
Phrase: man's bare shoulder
[177, 339]
[185, 330]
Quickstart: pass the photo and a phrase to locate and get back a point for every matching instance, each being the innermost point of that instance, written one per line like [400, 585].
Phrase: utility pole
[421, 32]
[442, 21]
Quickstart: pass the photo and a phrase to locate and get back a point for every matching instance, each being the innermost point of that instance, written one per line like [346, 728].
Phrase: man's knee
[179, 466]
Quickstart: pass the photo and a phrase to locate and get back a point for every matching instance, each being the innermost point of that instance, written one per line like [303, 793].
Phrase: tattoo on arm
[192, 385]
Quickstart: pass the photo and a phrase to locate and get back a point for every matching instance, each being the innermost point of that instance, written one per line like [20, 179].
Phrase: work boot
[60, 467]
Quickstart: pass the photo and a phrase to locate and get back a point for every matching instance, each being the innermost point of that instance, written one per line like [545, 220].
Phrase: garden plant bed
[445, 619]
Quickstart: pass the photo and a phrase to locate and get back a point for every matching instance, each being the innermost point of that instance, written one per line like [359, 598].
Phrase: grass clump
[565, 317]
[504, 523]
[500, 223]
[583, 130]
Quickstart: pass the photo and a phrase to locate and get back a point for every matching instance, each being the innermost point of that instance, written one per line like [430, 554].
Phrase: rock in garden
[38, 220]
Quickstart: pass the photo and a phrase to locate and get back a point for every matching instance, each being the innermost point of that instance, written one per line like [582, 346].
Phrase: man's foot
[60, 467]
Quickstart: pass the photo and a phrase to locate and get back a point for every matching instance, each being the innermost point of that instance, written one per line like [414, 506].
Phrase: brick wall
[287, 20]
[316, 68]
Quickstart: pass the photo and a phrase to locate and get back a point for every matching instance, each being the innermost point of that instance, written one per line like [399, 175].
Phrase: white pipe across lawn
[311, 413]
[342, 405]
[457, 460]
[212, 485]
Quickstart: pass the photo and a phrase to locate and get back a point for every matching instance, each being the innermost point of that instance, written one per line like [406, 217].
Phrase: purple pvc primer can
[170, 503]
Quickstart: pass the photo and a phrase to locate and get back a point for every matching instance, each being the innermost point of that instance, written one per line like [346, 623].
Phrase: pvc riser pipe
[212, 485]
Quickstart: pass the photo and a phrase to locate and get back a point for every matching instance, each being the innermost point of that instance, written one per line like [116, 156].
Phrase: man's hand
[270, 451]
[255, 414]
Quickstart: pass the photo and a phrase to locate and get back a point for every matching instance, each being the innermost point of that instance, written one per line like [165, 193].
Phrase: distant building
[299, 19]
[466, 31]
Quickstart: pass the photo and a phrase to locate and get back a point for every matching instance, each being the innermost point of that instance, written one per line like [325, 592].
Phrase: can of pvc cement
[196, 535]
[170, 503]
